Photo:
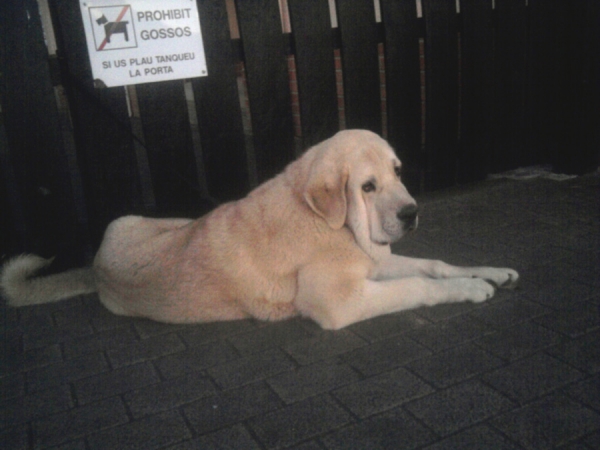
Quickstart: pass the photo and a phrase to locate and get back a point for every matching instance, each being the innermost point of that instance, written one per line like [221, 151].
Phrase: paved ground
[520, 371]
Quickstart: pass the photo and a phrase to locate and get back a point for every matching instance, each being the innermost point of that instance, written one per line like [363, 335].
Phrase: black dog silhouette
[111, 28]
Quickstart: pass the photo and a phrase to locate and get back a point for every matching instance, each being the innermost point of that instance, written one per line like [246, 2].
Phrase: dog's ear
[325, 192]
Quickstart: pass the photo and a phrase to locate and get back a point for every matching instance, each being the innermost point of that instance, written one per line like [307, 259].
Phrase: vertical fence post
[315, 69]
[441, 77]
[477, 87]
[403, 86]
[360, 63]
[265, 55]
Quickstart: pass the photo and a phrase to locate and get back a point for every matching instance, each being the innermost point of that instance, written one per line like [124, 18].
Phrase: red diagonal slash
[125, 8]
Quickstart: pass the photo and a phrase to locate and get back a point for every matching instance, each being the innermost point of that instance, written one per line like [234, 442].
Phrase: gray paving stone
[78, 422]
[573, 322]
[508, 313]
[12, 386]
[148, 328]
[15, 438]
[476, 438]
[168, 395]
[532, 377]
[325, 344]
[387, 326]
[99, 342]
[385, 355]
[519, 341]
[116, 382]
[298, 422]
[586, 392]
[549, 422]
[249, 369]
[144, 350]
[592, 441]
[277, 334]
[73, 445]
[66, 372]
[558, 293]
[445, 311]
[231, 407]
[146, 434]
[453, 366]
[195, 359]
[46, 336]
[306, 381]
[310, 445]
[16, 412]
[450, 410]
[382, 392]
[209, 332]
[14, 361]
[449, 333]
[391, 430]
[582, 352]
[234, 438]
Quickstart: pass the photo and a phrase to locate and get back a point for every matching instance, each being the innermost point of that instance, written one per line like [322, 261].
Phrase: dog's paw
[503, 278]
[475, 290]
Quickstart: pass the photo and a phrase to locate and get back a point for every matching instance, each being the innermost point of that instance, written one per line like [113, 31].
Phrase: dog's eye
[398, 171]
[369, 186]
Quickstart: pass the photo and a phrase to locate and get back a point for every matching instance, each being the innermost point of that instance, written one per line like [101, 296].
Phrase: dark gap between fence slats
[441, 75]
[268, 85]
[512, 119]
[37, 166]
[477, 77]
[101, 125]
[403, 86]
[360, 64]
[163, 110]
[315, 69]
[218, 108]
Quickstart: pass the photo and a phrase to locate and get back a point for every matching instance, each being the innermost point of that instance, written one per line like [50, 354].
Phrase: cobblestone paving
[519, 371]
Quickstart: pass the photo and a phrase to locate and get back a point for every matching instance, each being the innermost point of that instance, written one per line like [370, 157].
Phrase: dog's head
[354, 180]
[102, 20]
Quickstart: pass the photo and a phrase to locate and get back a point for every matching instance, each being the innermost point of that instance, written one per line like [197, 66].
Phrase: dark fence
[460, 95]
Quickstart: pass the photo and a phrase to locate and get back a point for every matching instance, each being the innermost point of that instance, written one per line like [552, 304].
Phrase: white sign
[142, 41]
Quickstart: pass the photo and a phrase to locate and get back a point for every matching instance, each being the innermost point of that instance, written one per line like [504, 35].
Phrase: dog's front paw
[503, 278]
[475, 290]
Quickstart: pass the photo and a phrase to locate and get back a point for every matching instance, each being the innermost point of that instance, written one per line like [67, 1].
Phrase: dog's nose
[408, 215]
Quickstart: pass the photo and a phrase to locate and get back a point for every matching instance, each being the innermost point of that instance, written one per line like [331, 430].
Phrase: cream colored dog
[313, 241]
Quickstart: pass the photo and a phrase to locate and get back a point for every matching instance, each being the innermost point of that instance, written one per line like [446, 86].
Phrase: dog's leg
[401, 266]
[346, 297]
[334, 306]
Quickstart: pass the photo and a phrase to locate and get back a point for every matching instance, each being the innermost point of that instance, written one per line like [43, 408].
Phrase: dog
[314, 241]
[111, 28]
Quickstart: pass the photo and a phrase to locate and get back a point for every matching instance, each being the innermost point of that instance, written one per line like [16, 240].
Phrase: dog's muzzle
[408, 215]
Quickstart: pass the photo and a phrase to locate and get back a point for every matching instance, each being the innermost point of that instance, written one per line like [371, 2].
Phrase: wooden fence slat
[36, 168]
[360, 64]
[218, 108]
[268, 85]
[13, 225]
[168, 140]
[101, 126]
[590, 88]
[477, 87]
[315, 69]
[403, 85]
[441, 90]
[564, 88]
[512, 119]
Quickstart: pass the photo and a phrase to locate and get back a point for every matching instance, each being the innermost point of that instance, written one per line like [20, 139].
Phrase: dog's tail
[21, 287]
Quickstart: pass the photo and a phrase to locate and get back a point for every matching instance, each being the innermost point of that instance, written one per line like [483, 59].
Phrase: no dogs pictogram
[112, 27]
